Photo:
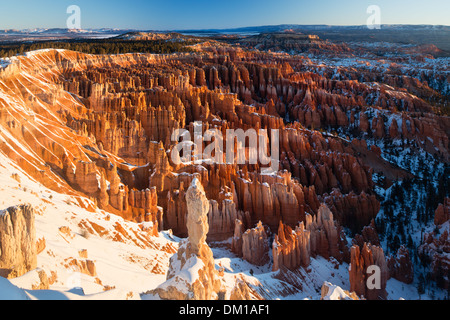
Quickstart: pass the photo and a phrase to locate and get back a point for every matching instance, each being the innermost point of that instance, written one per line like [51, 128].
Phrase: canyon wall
[18, 253]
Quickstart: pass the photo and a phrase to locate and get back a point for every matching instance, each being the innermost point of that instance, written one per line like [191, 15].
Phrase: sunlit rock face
[112, 117]
[318, 237]
[102, 126]
[111, 127]
[18, 253]
[362, 259]
[252, 245]
[192, 274]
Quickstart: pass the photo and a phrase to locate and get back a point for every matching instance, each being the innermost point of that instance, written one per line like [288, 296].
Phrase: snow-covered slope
[125, 256]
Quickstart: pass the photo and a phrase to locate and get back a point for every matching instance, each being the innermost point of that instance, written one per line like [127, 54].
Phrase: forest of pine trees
[99, 46]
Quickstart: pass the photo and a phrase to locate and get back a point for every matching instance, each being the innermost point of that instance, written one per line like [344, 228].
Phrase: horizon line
[228, 28]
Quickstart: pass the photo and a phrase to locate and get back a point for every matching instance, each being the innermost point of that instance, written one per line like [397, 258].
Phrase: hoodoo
[192, 274]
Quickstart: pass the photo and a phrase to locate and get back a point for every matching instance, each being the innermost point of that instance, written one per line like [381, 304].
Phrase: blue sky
[202, 14]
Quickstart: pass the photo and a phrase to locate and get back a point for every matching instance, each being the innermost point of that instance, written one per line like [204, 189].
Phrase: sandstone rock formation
[352, 210]
[442, 214]
[252, 245]
[435, 251]
[240, 291]
[192, 274]
[236, 241]
[361, 260]
[18, 253]
[368, 235]
[400, 266]
[124, 117]
[84, 266]
[435, 248]
[126, 110]
[101, 126]
[319, 236]
[332, 292]
[36, 279]
[40, 245]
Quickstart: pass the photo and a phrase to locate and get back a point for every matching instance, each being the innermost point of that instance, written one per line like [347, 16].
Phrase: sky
[203, 14]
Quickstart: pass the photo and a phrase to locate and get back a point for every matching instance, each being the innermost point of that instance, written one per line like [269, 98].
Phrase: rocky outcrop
[221, 219]
[250, 197]
[361, 260]
[352, 210]
[333, 292]
[18, 253]
[236, 240]
[252, 245]
[40, 245]
[197, 219]
[401, 267]
[318, 236]
[241, 291]
[368, 235]
[288, 250]
[84, 266]
[325, 235]
[192, 274]
[435, 248]
[435, 253]
[442, 214]
[36, 279]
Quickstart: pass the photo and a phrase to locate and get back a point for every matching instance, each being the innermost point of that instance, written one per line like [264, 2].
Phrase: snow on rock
[36, 279]
[332, 292]
[130, 260]
[127, 258]
[192, 274]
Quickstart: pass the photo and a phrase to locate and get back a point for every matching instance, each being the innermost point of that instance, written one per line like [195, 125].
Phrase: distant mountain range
[254, 29]
[46, 31]
[438, 35]
[281, 27]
